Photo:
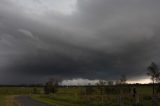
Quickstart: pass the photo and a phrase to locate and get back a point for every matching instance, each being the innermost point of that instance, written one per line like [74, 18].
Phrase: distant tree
[89, 89]
[51, 86]
[110, 83]
[153, 72]
[35, 91]
[117, 82]
[123, 79]
[123, 89]
[101, 85]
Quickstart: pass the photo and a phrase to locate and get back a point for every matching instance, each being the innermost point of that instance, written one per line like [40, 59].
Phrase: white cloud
[100, 34]
[42, 6]
[79, 81]
[26, 32]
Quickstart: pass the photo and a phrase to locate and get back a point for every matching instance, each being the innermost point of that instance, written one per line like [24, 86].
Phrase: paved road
[27, 101]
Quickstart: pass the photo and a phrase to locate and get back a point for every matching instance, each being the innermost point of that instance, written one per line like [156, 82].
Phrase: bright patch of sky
[81, 81]
[42, 6]
[141, 81]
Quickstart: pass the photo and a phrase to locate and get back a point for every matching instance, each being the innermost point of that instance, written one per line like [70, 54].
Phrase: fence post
[120, 100]
[137, 99]
[154, 100]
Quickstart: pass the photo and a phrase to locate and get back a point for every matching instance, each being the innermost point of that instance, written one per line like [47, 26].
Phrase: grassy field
[7, 94]
[77, 96]
[19, 90]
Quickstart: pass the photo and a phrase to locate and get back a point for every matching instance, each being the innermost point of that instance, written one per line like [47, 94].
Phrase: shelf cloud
[90, 39]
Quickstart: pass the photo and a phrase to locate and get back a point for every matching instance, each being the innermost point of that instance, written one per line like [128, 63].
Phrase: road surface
[27, 101]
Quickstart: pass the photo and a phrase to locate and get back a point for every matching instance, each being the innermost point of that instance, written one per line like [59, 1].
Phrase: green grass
[7, 94]
[19, 90]
[53, 102]
[77, 97]
[2, 100]
[145, 90]
[73, 97]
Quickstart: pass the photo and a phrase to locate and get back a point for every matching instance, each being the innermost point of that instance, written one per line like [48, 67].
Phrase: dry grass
[10, 101]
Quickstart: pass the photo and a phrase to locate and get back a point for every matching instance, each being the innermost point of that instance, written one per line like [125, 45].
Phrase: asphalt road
[27, 101]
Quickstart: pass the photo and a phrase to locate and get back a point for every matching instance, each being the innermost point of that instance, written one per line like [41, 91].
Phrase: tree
[123, 79]
[117, 82]
[101, 85]
[89, 89]
[51, 86]
[36, 90]
[110, 83]
[153, 72]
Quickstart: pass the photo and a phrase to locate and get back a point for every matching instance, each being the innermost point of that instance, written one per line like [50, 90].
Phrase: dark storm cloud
[100, 39]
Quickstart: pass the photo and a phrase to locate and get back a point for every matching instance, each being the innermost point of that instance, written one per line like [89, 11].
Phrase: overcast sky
[86, 39]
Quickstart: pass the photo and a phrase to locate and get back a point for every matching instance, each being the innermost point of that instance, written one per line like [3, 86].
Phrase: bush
[50, 88]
